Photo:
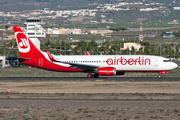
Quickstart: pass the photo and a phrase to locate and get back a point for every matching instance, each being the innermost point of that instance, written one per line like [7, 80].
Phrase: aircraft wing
[75, 65]
[82, 66]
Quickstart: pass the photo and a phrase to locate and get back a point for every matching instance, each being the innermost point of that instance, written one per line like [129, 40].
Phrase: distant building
[67, 31]
[2, 13]
[10, 28]
[49, 31]
[100, 31]
[73, 46]
[130, 45]
[61, 31]
[11, 36]
[76, 31]
[174, 22]
[4, 62]
[149, 9]
[99, 42]
[55, 32]
[169, 35]
[175, 8]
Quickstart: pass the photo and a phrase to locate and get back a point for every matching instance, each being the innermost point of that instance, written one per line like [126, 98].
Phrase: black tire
[96, 75]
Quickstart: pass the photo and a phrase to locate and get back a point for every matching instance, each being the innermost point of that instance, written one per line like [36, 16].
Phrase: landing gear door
[156, 62]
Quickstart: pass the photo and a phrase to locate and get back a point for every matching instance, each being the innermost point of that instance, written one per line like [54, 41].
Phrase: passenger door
[156, 62]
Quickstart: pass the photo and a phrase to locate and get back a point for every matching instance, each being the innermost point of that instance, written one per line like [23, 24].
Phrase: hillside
[20, 5]
[128, 14]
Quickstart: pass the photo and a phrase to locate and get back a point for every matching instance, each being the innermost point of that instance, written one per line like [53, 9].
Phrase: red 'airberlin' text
[130, 61]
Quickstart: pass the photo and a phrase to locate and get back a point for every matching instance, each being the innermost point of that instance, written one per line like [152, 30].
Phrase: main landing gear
[96, 75]
[91, 75]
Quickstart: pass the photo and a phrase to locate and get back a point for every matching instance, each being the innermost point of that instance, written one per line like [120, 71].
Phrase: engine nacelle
[106, 71]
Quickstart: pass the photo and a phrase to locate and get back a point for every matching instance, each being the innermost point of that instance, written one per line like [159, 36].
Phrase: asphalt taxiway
[90, 79]
[62, 99]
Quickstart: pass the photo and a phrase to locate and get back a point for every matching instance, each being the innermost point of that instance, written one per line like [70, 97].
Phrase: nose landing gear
[160, 76]
[162, 72]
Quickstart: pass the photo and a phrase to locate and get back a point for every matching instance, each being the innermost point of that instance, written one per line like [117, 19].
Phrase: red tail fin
[25, 45]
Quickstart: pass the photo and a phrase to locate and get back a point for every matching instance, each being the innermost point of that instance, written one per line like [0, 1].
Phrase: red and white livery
[94, 65]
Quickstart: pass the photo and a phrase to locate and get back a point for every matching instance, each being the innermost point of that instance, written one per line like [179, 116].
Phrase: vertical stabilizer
[25, 45]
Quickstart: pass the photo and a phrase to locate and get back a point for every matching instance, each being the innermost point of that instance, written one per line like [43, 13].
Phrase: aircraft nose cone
[174, 65]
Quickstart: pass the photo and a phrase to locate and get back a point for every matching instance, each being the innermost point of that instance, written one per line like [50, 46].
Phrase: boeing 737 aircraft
[94, 65]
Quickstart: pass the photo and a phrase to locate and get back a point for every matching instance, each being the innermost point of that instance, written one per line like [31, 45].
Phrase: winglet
[50, 56]
[87, 53]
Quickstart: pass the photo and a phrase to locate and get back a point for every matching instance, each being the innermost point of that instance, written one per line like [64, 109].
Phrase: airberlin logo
[130, 61]
[23, 42]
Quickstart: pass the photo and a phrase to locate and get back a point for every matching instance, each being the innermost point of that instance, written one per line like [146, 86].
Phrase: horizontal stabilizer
[19, 58]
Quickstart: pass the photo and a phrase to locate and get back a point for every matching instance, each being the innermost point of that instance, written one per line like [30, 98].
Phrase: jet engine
[106, 71]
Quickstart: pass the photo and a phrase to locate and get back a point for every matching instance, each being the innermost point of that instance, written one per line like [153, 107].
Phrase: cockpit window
[166, 60]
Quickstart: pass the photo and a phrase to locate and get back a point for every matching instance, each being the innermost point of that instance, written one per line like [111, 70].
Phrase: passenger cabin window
[166, 60]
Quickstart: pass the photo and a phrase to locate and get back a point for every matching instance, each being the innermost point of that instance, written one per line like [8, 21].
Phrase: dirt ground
[88, 110]
[74, 109]
[91, 87]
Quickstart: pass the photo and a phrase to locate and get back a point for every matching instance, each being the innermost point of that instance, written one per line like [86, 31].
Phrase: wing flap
[81, 66]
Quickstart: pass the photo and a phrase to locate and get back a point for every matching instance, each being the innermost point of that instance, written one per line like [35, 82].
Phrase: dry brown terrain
[88, 110]
[90, 87]
[73, 109]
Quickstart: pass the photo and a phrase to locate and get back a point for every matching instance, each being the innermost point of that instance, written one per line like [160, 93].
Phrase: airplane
[94, 65]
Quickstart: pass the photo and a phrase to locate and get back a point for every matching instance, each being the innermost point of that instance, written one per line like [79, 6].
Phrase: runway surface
[91, 79]
[63, 99]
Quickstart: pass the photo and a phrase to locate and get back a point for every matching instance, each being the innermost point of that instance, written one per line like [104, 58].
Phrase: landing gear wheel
[96, 75]
[159, 76]
[89, 75]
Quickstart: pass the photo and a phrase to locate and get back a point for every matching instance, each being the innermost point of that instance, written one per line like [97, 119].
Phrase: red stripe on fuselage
[140, 70]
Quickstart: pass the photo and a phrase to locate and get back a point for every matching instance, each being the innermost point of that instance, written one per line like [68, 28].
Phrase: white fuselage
[146, 63]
